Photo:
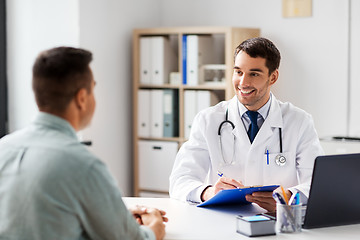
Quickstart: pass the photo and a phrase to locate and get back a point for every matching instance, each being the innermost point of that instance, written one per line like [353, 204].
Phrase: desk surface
[191, 222]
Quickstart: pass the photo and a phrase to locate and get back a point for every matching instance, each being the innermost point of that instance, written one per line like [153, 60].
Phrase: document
[171, 113]
[190, 110]
[235, 196]
[184, 57]
[157, 60]
[144, 112]
[205, 99]
[162, 60]
[156, 114]
[194, 102]
[199, 52]
[145, 60]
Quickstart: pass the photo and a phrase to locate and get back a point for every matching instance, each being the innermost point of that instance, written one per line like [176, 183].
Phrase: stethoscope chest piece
[280, 160]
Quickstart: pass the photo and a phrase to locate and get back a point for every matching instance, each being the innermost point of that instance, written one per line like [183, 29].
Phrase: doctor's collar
[263, 111]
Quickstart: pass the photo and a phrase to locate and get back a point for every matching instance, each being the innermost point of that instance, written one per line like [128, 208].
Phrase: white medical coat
[200, 158]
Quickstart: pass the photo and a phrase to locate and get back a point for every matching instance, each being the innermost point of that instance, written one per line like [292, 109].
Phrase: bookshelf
[225, 40]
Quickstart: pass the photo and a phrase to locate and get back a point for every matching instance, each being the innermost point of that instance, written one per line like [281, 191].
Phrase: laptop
[335, 192]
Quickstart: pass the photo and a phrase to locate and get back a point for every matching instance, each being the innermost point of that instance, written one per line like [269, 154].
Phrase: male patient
[51, 186]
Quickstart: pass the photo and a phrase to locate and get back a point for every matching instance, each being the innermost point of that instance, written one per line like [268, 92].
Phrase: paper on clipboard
[235, 196]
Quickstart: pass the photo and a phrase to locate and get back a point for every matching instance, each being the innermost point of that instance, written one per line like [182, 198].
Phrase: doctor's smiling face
[252, 81]
[256, 66]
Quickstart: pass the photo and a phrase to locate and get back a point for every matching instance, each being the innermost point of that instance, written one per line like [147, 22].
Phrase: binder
[163, 60]
[171, 113]
[145, 60]
[199, 52]
[156, 116]
[144, 113]
[190, 110]
[235, 196]
[156, 159]
[194, 102]
[184, 54]
[205, 99]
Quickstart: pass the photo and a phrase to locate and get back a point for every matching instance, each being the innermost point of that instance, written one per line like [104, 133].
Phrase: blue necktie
[253, 129]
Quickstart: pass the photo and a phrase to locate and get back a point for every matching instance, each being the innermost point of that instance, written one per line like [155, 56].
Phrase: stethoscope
[280, 159]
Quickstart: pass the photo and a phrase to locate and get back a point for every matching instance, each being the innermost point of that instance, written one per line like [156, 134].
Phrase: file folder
[163, 60]
[190, 110]
[156, 159]
[144, 113]
[171, 113]
[206, 99]
[145, 60]
[194, 102]
[184, 54]
[156, 116]
[235, 196]
[199, 52]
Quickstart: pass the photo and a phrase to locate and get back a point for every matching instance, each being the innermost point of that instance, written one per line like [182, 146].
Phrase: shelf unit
[230, 38]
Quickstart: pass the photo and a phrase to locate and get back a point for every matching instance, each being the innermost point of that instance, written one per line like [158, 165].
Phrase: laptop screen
[335, 192]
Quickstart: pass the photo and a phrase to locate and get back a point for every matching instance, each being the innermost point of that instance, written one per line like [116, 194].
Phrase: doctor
[252, 139]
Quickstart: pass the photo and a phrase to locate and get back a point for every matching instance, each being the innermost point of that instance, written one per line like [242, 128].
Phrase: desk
[190, 222]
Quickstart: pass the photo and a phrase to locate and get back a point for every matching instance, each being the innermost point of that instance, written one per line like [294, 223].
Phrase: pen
[284, 194]
[220, 174]
[297, 196]
[267, 156]
[292, 199]
[278, 198]
[295, 199]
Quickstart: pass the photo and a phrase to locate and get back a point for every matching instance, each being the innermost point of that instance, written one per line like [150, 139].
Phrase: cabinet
[169, 49]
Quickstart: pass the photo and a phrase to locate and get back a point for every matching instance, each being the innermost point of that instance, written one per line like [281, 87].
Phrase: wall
[106, 29]
[33, 26]
[354, 121]
[313, 71]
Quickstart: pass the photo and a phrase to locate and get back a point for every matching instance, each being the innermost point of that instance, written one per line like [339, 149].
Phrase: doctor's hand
[263, 199]
[222, 183]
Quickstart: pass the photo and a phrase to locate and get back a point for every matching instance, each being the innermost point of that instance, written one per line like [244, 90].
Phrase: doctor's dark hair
[58, 74]
[261, 47]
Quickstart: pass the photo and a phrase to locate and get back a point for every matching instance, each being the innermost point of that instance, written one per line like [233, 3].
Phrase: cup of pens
[288, 214]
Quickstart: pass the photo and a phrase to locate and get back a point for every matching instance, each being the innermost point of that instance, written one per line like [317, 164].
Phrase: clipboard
[235, 196]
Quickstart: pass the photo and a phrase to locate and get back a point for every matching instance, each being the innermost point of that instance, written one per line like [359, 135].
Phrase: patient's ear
[81, 98]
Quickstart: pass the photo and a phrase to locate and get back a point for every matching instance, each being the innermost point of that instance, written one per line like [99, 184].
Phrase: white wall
[354, 123]
[313, 71]
[106, 30]
[33, 26]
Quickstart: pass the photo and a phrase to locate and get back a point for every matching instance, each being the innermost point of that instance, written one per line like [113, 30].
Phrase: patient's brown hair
[58, 74]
